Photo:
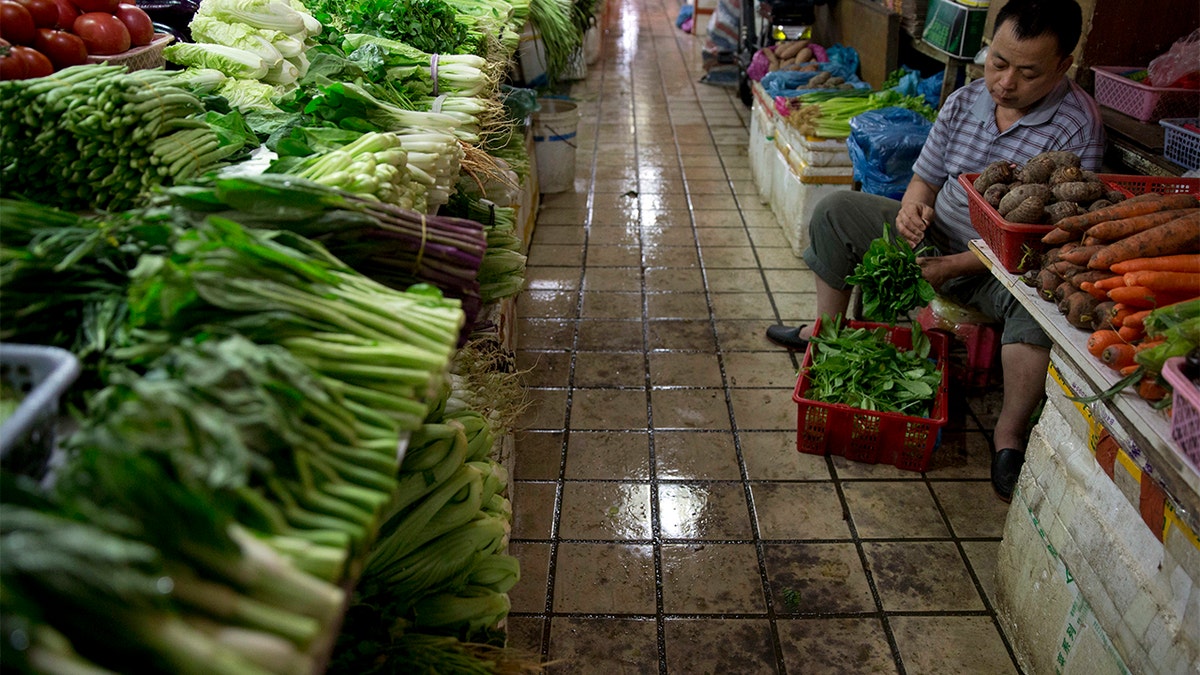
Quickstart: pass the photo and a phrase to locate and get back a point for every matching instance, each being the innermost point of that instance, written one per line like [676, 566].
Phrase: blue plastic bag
[884, 145]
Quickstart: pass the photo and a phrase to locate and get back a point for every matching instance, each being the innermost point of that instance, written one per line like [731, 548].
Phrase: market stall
[257, 333]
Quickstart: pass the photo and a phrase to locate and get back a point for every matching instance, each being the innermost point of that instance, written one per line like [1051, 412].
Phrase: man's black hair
[1033, 18]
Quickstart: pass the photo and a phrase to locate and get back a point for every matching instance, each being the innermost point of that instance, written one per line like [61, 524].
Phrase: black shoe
[1006, 468]
[785, 336]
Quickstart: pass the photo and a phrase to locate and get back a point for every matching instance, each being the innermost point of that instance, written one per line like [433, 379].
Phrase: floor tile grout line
[748, 493]
[552, 563]
[987, 603]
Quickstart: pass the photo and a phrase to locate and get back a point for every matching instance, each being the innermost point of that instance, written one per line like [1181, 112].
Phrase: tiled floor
[664, 520]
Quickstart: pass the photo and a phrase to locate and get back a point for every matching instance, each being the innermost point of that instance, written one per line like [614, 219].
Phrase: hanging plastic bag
[1180, 66]
[883, 146]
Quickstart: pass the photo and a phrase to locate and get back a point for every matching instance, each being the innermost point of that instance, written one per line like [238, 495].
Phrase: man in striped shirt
[1024, 105]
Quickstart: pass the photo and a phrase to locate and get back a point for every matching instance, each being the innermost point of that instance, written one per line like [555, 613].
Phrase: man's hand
[912, 220]
[937, 270]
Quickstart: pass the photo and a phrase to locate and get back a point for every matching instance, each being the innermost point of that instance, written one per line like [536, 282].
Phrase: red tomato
[16, 23]
[103, 33]
[109, 6]
[44, 12]
[11, 65]
[139, 24]
[36, 63]
[63, 48]
[67, 13]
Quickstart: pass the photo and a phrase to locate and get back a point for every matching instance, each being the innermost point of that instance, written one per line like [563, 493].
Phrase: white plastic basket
[39, 376]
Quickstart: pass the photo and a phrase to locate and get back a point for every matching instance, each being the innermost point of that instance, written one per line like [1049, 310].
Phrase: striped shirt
[965, 139]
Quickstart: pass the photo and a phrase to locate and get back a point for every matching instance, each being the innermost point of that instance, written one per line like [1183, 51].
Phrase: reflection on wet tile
[548, 304]
[747, 335]
[608, 454]
[533, 509]
[729, 256]
[547, 409]
[817, 579]
[973, 508]
[756, 369]
[614, 235]
[561, 216]
[670, 256]
[764, 409]
[798, 511]
[677, 306]
[689, 409]
[604, 578]
[612, 279]
[835, 646]
[735, 281]
[552, 278]
[952, 644]
[682, 335]
[603, 646]
[681, 369]
[715, 646]
[730, 573]
[716, 237]
[546, 333]
[772, 455]
[703, 511]
[529, 595]
[538, 455]
[610, 369]
[544, 369]
[605, 511]
[695, 455]
[611, 305]
[555, 254]
[613, 256]
[742, 306]
[551, 235]
[672, 279]
[608, 409]
[599, 334]
[921, 577]
[893, 509]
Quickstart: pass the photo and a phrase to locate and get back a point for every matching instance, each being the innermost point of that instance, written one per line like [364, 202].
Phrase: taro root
[996, 172]
[1031, 210]
[1019, 194]
[1066, 174]
[1099, 204]
[1079, 191]
[1059, 210]
[995, 193]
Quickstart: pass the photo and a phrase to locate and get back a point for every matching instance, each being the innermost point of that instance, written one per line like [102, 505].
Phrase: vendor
[1024, 105]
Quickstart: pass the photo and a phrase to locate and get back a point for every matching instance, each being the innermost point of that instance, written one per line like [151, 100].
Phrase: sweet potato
[1080, 255]
[1116, 229]
[1151, 202]
[1078, 191]
[1181, 235]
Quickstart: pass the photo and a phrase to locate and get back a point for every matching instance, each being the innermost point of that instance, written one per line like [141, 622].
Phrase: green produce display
[858, 367]
[99, 137]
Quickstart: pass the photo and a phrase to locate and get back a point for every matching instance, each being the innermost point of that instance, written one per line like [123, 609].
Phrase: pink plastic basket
[1185, 409]
[1146, 103]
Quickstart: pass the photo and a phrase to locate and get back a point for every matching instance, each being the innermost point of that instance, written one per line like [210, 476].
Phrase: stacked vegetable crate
[286, 415]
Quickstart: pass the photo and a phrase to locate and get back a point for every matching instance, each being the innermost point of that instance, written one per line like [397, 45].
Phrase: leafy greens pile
[858, 367]
[890, 278]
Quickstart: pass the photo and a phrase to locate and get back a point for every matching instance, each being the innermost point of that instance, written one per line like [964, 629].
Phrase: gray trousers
[842, 228]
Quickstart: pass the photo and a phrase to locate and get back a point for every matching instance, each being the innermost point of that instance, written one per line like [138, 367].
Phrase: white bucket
[532, 57]
[591, 45]
[554, 136]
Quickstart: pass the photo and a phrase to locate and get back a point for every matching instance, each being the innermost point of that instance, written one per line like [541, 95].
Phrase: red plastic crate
[1013, 242]
[903, 441]
[982, 343]
[1141, 101]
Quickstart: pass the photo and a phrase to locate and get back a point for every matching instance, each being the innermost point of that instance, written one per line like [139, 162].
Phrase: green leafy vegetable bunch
[890, 278]
[858, 367]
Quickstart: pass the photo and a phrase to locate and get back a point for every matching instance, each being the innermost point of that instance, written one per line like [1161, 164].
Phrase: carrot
[1120, 312]
[1184, 262]
[1134, 296]
[1059, 236]
[1090, 288]
[1118, 355]
[1171, 282]
[1181, 235]
[1118, 229]
[1151, 390]
[1093, 241]
[1128, 370]
[1148, 344]
[1134, 206]
[1131, 334]
[1101, 339]
[1115, 281]
[1136, 319]
[1080, 255]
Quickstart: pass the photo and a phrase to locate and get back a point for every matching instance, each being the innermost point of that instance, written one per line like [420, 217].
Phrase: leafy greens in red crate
[890, 278]
[858, 367]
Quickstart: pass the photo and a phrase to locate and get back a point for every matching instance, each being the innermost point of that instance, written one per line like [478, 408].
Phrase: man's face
[1019, 73]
